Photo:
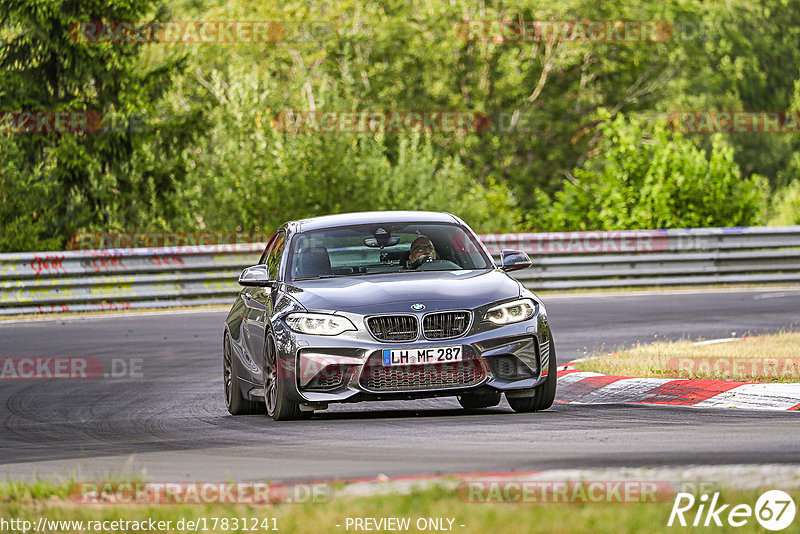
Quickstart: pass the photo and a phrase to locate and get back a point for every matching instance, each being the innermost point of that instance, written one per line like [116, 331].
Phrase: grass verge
[768, 358]
[20, 501]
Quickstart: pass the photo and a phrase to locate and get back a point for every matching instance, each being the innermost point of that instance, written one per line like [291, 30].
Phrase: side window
[274, 255]
[263, 257]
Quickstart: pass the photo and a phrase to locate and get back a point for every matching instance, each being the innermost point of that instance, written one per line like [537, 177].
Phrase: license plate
[422, 356]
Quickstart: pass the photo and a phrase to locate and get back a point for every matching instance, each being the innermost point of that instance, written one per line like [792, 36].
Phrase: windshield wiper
[317, 277]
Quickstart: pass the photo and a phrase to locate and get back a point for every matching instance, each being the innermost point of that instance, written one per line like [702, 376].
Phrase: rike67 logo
[774, 510]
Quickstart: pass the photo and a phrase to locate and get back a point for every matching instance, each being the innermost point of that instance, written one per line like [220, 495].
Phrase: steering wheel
[416, 264]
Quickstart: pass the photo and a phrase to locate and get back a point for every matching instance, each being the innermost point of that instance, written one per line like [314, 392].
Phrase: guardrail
[197, 275]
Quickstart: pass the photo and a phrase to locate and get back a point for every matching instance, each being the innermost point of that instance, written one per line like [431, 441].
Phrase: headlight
[511, 312]
[321, 324]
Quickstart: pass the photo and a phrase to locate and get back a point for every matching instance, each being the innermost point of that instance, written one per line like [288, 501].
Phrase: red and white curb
[579, 387]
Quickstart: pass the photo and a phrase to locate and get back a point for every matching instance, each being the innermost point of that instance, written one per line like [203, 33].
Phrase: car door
[259, 302]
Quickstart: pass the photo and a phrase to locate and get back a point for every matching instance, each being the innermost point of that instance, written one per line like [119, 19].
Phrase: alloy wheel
[270, 380]
[227, 369]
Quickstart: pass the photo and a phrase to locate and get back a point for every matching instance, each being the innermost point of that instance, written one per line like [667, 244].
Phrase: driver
[421, 246]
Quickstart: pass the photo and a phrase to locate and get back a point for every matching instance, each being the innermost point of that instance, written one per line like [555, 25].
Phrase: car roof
[368, 217]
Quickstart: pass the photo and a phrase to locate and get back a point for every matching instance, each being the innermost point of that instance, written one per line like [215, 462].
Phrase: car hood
[396, 292]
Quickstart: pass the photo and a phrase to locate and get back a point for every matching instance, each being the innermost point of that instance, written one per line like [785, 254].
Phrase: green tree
[646, 176]
[113, 178]
[204, 162]
[250, 175]
[416, 56]
[27, 197]
[785, 207]
[740, 55]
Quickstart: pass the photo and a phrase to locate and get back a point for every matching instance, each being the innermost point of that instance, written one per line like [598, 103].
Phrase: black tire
[544, 394]
[277, 403]
[478, 401]
[234, 399]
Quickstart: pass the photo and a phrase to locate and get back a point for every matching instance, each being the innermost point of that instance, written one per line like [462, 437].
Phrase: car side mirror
[255, 276]
[514, 260]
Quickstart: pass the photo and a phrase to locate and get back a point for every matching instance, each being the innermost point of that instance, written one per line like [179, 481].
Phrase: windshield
[384, 248]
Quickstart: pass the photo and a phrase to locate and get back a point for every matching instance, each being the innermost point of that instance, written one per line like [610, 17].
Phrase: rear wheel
[278, 404]
[544, 394]
[234, 399]
[477, 401]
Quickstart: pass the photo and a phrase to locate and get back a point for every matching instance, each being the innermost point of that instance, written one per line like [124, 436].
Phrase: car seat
[313, 262]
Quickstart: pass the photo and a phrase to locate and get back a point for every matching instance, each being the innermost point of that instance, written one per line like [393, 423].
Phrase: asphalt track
[171, 424]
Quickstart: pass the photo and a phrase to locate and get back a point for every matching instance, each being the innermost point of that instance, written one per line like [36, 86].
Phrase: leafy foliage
[785, 208]
[646, 176]
[112, 178]
[263, 176]
[208, 156]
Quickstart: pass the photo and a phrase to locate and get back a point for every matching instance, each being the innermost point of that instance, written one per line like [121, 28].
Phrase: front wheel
[234, 398]
[543, 394]
[279, 406]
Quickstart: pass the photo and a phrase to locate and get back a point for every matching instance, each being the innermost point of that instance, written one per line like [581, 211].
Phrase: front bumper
[346, 368]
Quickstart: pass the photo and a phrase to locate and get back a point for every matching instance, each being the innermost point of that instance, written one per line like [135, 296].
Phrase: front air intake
[393, 327]
[445, 325]
[379, 378]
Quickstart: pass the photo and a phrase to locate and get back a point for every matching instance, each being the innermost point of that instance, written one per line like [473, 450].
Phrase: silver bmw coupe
[384, 306]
